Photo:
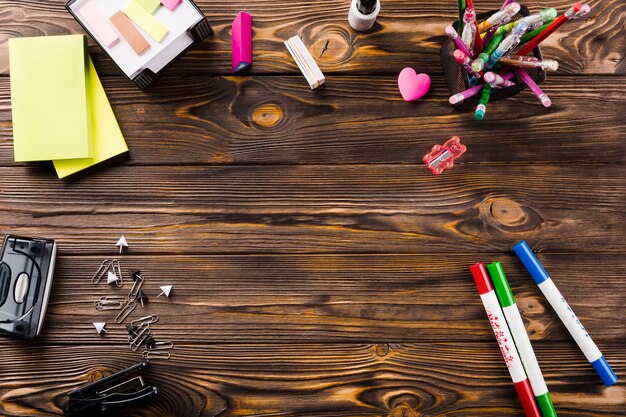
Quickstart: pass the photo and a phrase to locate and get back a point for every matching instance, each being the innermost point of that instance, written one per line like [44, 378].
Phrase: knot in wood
[96, 375]
[403, 410]
[530, 306]
[267, 115]
[508, 212]
[331, 44]
[382, 350]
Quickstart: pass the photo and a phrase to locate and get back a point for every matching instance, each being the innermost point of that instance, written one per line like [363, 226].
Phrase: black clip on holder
[112, 393]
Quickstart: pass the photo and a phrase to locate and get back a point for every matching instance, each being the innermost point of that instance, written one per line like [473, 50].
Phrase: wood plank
[278, 120]
[412, 380]
[321, 209]
[287, 298]
[407, 33]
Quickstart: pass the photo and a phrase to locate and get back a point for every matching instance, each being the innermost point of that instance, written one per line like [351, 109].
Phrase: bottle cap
[525, 394]
[501, 285]
[545, 405]
[481, 278]
[530, 262]
[603, 369]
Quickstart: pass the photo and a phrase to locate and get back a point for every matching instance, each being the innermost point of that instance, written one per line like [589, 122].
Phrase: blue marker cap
[603, 369]
[530, 262]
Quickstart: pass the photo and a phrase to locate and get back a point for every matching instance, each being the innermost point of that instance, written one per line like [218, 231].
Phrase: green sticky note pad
[108, 140]
[149, 5]
[50, 98]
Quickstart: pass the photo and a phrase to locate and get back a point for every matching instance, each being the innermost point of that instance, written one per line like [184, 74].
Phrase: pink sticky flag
[170, 4]
[242, 42]
[98, 24]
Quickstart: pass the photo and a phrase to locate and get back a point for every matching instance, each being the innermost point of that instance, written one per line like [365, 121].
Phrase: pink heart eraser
[413, 85]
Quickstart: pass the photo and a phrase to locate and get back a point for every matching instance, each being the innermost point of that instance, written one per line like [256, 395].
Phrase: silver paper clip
[137, 334]
[115, 264]
[139, 340]
[134, 291]
[151, 354]
[142, 321]
[101, 272]
[110, 303]
[126, 310]
[161, 346]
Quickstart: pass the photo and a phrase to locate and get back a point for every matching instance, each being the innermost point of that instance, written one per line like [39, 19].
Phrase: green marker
[479, 114]
[479, 63]
[493, 44]
[514, 319]
[528, 36]
[462, 7]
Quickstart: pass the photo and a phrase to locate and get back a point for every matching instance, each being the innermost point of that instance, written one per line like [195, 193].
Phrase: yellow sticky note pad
[150, 24]
[108, 140]
[50, 98]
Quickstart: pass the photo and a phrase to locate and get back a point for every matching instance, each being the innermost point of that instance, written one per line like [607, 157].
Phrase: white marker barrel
[565, 312]
[514, 318]
[503, 335]
[569, 319]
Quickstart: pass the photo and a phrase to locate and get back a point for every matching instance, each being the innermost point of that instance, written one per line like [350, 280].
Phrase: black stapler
[112, 393]
[26, 270]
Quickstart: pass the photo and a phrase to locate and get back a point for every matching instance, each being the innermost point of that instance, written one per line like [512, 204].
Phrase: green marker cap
[545, 405]
[500, 284]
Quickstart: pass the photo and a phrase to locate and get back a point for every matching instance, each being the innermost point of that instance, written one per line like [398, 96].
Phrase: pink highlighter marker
[242, 41]
[545, 100]
[505, 340]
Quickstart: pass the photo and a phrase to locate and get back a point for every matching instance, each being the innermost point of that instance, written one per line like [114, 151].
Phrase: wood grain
[326, 380]
[406, 33]
[279, 120]
[325, 298]
[320, 209]
[319, 269]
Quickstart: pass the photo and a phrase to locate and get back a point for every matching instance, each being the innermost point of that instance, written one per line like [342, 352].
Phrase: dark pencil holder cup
[458, 78]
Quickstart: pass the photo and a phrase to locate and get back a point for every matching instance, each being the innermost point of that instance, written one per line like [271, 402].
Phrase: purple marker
[545, 100]
[464, 95]
[457, 40]
[489, 35]
[506, 3]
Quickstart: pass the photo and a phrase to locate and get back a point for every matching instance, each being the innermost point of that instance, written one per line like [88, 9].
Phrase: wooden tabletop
[319, 268]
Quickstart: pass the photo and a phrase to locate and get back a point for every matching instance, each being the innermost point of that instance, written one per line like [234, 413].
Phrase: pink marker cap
[242, 41]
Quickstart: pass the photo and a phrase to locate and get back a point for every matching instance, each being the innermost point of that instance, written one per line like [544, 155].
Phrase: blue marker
[507, 44]
[565, 313]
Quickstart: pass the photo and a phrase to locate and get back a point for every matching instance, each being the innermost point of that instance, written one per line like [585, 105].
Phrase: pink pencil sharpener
[442, 157]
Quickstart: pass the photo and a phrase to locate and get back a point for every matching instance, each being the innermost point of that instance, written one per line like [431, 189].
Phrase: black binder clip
[109, 394]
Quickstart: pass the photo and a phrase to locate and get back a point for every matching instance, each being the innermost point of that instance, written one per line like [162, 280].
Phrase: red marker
[530, 45]
[505, 340]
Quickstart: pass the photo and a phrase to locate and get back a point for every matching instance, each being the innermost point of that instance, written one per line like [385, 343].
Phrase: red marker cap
[481, 277]
[576, 7]
[525, 394]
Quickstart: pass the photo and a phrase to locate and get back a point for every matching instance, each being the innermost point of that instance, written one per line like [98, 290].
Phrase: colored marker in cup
[522, 342]
[505, 340]
[472, 91]
[532, 85]
[481, 109]
[565, 313]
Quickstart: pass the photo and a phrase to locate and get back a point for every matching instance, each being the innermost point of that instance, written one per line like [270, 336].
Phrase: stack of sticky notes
[60, 110]
[305, 62]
